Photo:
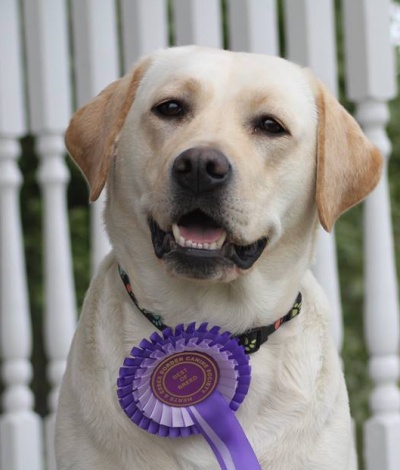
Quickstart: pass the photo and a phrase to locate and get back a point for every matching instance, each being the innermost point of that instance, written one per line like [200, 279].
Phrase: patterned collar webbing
[251, 339]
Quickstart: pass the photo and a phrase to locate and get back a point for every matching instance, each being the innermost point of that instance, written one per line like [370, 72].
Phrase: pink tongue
[199, 234]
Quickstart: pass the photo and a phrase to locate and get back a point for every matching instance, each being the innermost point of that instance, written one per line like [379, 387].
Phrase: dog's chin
[188, 263]
[198, 247]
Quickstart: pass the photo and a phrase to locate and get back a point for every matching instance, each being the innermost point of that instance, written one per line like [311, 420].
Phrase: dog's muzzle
[199, 243]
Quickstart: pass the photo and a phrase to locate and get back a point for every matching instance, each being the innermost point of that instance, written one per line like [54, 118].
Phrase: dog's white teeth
[220, 241]
[181, 241]
[176, 233]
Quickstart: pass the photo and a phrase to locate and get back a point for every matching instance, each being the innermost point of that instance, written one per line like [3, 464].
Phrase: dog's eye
[270, 126]
[170, 109]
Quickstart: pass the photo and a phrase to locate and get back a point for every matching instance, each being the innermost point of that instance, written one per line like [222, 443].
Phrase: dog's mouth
[197, 236]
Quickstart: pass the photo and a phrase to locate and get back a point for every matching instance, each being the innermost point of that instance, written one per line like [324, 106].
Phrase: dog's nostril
[183, 165]
[201, 169]
[218, 168]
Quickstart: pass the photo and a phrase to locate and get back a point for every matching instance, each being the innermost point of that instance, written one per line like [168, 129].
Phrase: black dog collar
[251, 339]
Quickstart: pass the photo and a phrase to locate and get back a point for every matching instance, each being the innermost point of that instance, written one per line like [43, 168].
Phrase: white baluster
[53, 177]
[49, 97]
[198, 22]
[95, 37]
[382, 430]
[20, 427]
[310, 35]
[370, 83]
[100, 244]
[253, 26]
[144, 28]
[326, 271]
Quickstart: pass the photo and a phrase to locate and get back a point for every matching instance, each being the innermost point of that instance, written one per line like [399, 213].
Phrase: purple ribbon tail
[220, 427]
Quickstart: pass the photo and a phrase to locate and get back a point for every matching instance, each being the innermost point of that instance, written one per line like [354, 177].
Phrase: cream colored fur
[296, 414]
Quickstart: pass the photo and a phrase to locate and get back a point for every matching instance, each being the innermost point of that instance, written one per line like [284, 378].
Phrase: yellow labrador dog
[219, 168]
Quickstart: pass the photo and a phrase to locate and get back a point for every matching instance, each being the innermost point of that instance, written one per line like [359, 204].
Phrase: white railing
[370, 90]
[20, 427]
[59, 49]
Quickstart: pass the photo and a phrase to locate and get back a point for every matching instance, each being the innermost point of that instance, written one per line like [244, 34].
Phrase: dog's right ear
[93, 132]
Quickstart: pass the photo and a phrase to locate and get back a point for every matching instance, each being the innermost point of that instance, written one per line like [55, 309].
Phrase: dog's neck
[256, 298]
[250, 339]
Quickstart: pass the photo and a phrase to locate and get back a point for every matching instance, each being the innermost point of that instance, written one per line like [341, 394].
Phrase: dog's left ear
[93, 132]
[348, 164]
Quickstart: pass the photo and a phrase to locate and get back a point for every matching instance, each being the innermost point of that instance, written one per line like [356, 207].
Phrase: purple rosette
[188, 381]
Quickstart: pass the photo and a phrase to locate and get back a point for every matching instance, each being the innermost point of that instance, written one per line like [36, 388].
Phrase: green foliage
[31, 209]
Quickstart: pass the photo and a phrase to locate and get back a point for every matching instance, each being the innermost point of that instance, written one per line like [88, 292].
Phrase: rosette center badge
[185, 379]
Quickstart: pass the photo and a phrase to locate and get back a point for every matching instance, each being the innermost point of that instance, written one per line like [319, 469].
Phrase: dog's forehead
[228, 72]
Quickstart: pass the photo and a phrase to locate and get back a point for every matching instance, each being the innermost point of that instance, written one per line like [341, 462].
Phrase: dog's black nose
[201, 169]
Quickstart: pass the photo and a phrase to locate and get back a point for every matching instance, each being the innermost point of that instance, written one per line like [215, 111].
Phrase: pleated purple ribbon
[189, 381]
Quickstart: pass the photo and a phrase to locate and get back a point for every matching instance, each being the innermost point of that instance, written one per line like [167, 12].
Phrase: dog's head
[216, 156]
